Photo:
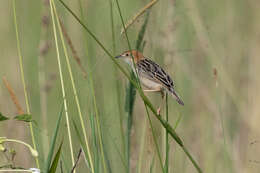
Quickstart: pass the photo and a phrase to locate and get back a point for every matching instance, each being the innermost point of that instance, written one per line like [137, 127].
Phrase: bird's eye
[126, 54]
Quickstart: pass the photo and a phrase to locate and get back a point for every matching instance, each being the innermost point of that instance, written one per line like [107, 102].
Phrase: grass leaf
[151, 166]
[139, 42]
[130, 96]
[53, 141]
[55, 160]
[24, 117]
[2, 117]
[95, 145]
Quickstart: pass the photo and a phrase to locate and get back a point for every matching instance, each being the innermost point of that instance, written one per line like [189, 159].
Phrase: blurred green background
[210, 48]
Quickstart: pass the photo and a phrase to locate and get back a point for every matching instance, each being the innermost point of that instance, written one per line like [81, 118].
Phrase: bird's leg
[162, 94]
[163, 98]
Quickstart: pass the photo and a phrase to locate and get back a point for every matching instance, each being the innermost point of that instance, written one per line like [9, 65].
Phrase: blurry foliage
[192, 38]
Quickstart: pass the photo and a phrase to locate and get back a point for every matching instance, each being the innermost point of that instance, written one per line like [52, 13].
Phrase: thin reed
[23, 79]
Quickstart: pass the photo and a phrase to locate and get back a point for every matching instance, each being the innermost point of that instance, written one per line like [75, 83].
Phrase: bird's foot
[158, 111]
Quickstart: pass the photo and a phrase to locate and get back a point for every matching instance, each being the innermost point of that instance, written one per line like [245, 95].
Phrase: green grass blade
[191, 159]
[139, 42]
[130, 96]
[53, 141]
[95, 146]
[23, 81]
[55, 160]
[167, 146]
[154, 139]
[112, 26]
[108, 161]
[129, 107]
[24, 117]
[151, 166]
[178, 121]
[2, 117]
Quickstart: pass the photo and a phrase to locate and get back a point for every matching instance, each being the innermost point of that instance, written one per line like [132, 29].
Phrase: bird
[151, 75]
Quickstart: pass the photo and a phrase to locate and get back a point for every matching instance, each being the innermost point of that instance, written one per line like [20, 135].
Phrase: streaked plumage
[151, 75]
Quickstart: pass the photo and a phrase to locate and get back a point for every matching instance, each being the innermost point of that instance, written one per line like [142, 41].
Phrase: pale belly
[150, 84]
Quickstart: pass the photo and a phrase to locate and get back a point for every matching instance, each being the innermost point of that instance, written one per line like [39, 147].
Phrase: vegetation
[66, 105]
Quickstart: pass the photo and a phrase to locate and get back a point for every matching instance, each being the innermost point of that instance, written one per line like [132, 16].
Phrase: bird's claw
[158, 111]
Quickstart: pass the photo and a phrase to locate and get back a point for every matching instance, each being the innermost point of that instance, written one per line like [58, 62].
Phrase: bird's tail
[176, 96]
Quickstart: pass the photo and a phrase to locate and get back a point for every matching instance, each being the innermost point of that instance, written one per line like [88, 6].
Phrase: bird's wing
[154, 72]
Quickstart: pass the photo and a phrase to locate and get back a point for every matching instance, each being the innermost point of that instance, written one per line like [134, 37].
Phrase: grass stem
[74, 90]
[130, 22]
[62, 83]
[167, 146]
[23, 80]
[154, 139]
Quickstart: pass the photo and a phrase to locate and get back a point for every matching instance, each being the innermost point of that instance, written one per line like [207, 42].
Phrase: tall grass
[209, 49]
[75, 92]
[62, 84]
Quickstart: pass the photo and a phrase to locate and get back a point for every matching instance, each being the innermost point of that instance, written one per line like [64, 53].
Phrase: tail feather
[175, 95]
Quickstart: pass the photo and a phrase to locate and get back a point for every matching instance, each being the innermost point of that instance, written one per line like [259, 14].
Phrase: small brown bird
[151, 75]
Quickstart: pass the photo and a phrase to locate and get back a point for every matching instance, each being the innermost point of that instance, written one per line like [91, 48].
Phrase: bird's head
[127, 56]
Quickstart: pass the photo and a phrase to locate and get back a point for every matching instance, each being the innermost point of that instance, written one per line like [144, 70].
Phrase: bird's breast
[149, 83]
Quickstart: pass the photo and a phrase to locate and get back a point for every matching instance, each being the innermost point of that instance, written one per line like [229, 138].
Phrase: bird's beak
[119, 56]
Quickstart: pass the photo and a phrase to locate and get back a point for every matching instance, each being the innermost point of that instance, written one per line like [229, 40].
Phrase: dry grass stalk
[13, 96]
[73, 50]
[130, 22]
[76, 163]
